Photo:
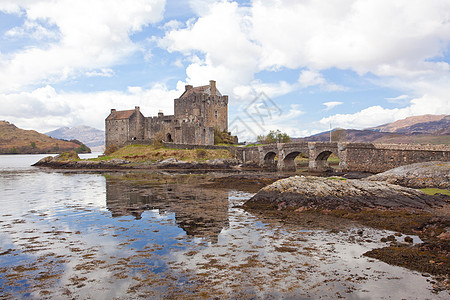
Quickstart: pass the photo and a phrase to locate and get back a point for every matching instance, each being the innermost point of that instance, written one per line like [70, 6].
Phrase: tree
[274, 136]
[82, 149]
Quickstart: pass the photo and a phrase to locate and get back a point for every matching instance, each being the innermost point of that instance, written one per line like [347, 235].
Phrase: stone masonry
[363, 157]
[197, 112]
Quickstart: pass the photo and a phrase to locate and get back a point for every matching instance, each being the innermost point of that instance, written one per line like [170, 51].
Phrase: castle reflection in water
[200, 212]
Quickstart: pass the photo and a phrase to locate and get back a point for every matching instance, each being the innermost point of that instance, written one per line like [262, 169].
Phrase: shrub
[158, 139]
[82, 149]
[200, 153]
[111, 149]
[13, 150]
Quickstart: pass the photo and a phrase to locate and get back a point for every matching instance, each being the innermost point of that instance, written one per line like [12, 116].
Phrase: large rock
[310, 192]
[420, 175]
[60, 158]
[70, 160]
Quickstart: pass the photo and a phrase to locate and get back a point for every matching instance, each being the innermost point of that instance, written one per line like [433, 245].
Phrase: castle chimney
[188, 87]
[137, 108]
[113, 110]
[160, 113]
[212, 85]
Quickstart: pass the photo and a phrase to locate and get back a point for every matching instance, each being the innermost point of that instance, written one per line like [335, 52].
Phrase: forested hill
[14, 140]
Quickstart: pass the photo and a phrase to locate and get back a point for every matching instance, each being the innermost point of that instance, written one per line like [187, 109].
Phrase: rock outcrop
[420, 175]
[338, 193]
[70, 160]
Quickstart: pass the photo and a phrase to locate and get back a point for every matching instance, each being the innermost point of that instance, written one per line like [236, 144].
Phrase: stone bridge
[363, 157]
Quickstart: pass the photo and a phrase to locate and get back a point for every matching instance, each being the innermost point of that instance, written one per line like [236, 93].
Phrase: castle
[197, 112]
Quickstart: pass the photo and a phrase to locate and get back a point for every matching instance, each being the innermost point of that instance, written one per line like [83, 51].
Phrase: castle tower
[205, 103]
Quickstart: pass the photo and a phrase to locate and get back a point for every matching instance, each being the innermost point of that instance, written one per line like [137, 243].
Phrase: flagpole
[330, 132]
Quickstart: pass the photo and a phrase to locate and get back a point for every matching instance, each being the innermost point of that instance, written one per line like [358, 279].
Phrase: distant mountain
[426, 129]
[90, 136]
[425, 124]
[15, 140]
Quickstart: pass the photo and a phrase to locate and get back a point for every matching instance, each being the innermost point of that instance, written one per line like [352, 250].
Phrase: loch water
[156, 235]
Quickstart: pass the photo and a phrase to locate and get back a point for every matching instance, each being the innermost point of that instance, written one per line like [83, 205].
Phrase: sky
[300, 66]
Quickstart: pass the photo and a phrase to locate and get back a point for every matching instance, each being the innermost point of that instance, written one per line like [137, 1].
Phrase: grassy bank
[143, 153]
[432, 191]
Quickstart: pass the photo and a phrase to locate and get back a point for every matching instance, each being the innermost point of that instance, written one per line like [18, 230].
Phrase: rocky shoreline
[310, 192]
[376, 204]
[420, 175]
[64, 162]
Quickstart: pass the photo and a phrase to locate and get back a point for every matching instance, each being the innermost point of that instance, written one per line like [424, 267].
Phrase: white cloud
[248, 93]
[104, 72]
[94, 34]
[377, 115]
[310, 78]
[34, 30]
[400, 43]
[172, 25]
[201, 7]
[221, 36]
[391, 40]
[332, 104]
[399, 100]
[248, 124]
[401, 97]
[364, 35]
[45, 109]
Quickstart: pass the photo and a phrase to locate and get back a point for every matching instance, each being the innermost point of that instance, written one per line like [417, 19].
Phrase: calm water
[156, 235]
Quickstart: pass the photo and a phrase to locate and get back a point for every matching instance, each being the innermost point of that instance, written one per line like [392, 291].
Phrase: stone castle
[198, 111]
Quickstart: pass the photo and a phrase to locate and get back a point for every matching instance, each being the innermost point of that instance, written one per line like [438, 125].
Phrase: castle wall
[195, 134]
[136, 126]
[160, 127]
[116, 132]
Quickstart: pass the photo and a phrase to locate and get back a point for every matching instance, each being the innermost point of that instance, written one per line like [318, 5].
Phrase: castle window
[216, 114]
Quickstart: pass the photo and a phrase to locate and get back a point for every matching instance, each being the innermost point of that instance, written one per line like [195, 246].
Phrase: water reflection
[89, 236]
[201, 213]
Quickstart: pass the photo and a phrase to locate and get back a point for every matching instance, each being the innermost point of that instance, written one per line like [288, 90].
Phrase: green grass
[336, 178]
[146, 153]
[432, 191]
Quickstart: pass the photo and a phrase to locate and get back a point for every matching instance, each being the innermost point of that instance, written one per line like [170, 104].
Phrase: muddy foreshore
[375, 204]
[432, 225]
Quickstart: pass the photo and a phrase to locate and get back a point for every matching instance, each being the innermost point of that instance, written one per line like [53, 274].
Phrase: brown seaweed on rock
[336, 193]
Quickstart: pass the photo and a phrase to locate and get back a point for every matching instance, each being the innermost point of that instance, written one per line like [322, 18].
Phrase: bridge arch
[321, 160]
[289, 160]
[269, 160]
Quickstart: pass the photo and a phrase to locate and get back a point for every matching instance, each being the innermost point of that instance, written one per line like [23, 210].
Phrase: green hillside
[14, 140]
